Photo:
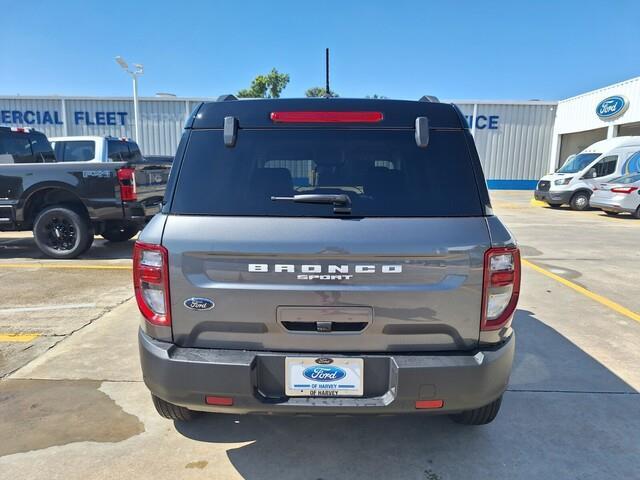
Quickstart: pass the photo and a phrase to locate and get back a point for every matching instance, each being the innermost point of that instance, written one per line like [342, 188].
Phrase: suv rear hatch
[403, 271]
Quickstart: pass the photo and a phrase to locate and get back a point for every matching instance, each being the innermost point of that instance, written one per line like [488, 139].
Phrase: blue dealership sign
[53, 117]
[612, 107]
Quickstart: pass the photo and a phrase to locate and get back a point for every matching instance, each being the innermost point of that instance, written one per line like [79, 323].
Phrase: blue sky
[509, 50]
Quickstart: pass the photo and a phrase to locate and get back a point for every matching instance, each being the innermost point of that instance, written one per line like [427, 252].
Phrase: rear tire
[173, 412]
[62, 232]
[479, 416]
[580, 201]
[120, 232]
[636, 214]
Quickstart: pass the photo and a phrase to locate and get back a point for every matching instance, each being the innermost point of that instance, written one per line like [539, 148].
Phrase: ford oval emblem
[324, 361]
[324, 374]
[197, 303]
[612, 107]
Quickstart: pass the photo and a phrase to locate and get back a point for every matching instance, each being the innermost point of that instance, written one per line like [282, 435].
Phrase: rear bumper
[610, 206]
[255, 380]
[555, 198]
[139, 213]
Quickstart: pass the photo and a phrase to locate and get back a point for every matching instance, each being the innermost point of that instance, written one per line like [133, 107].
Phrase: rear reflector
[501, 279]
[222, 401]
[326, 117]
[428, 404]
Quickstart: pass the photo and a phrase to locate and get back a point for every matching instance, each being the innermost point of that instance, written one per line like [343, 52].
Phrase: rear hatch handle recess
[341, 203]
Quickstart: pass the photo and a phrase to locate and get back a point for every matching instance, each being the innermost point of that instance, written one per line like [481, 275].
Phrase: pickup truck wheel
[62, 232]
[479, 416]
[580, 201]
[173, 412]
[120, 232]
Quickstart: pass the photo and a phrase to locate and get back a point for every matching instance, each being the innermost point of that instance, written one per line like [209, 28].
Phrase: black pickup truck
[67, 203]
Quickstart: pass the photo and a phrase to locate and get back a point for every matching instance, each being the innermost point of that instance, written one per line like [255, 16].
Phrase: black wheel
[555, 205]
[611, 214]
[580, 201]
[636, 214]
[120, 232]
[62, 232]
[479, 416]
[173, 412]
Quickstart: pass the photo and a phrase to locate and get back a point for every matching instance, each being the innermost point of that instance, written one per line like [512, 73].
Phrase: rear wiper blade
[341, 203]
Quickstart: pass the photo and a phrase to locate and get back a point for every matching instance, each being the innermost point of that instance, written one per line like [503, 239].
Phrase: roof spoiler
[429, 98]
[226, 98]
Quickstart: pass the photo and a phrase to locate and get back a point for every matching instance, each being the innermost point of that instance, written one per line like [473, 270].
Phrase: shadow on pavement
[620, 216]
[561, 401]
[25, 247]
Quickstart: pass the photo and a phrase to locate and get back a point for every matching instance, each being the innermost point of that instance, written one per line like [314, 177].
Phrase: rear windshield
[123, 151]
[18, 147]
[382, 171]
[75, 150]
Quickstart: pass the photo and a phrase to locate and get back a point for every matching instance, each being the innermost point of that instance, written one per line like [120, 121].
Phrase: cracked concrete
[54, 302]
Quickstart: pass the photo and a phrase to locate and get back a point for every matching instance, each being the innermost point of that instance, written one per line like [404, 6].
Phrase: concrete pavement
[572, 410]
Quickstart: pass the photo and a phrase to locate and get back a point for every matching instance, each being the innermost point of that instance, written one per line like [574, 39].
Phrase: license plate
[324, 377]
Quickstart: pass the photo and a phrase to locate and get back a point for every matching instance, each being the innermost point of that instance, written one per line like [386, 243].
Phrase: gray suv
[327, 256]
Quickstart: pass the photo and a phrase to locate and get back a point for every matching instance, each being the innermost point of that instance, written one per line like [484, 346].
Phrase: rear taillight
[501, 286]
[151, 282]
[624, 189]
[127, 181]
[326, 117]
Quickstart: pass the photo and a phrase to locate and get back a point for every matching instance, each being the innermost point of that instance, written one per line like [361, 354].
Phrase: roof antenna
[327, 92]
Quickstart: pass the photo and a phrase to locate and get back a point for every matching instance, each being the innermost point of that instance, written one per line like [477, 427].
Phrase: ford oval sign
[324, 374]
[196, 303]
[612, 107]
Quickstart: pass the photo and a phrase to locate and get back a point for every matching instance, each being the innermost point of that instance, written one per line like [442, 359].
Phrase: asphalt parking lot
[73, 404]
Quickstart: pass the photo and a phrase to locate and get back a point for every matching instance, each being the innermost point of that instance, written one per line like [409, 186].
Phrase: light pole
[139, 70]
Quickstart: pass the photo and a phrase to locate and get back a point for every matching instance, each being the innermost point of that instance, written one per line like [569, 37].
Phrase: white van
[574, 182]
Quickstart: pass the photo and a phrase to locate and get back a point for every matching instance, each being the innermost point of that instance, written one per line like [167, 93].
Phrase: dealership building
[518, 141]
[608, 112]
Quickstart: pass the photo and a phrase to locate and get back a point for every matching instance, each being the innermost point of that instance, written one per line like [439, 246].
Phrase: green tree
[376, 96]
[319, 92]
[266, 86]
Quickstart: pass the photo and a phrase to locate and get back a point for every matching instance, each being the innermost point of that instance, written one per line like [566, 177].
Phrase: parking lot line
[537, 203]
[47, 307]
[18, 337]
[65, 266]
[587, 293]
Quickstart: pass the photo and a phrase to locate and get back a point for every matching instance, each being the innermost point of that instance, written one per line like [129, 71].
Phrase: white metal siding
[54, 107]
[518, 149]
[161, 125]
[82, 113]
